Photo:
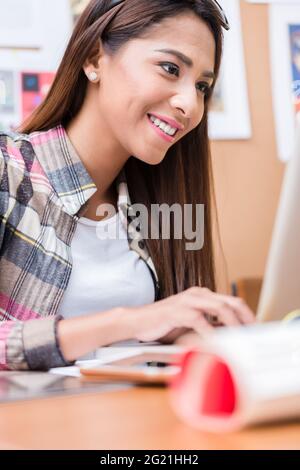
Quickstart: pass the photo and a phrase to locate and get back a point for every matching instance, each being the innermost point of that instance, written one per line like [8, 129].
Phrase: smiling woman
[135, 79]
[118, 128]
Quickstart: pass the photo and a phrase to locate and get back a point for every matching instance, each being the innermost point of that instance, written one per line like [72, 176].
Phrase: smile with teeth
[166, 128]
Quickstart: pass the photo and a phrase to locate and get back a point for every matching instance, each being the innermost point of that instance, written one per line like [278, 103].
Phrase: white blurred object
[281, 288]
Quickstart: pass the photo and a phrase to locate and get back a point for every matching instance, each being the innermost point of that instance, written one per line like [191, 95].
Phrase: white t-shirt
[106, 273]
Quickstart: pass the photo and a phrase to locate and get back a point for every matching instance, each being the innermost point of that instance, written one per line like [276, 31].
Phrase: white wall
[52, 31]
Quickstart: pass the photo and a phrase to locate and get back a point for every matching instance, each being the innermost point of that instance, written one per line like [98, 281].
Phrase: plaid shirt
[44, 189]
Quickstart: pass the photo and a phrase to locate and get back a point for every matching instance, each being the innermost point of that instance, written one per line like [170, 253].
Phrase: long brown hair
[185, 175]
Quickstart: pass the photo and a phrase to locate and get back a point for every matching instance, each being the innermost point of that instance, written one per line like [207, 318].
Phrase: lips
[171, 122]
[154, 116]
[160, 132]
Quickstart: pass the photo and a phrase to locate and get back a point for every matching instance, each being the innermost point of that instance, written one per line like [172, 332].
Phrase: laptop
[280, 293]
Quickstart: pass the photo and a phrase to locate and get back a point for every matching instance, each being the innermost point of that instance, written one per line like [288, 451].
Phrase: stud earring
[93, 76]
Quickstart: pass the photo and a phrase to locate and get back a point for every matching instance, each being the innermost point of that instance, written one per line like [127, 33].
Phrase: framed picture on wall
[229, 115]
[285, 63]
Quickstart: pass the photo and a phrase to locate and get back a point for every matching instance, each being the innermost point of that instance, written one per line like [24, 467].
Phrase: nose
[187, 100]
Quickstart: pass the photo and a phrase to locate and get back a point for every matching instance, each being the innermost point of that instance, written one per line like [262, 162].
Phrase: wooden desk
[137, 418]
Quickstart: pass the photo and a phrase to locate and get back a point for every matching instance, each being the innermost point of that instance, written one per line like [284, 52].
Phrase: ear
[92, 63]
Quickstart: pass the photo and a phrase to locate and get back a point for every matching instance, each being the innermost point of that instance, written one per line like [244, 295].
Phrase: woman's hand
[197, 308]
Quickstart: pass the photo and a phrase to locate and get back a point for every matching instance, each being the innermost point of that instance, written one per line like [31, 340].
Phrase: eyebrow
[186, 60]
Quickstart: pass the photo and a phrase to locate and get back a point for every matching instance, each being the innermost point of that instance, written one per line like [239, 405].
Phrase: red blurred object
[219, 393]
[204, 391]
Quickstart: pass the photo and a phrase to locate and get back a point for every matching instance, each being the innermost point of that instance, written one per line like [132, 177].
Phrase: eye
[172, 66]
[203, 87]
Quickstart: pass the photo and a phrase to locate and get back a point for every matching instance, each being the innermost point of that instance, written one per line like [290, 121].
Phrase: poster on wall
[9, 102]
[294, 32]
[285, 63]
[34, 89]
[21, 24]
[229, 116]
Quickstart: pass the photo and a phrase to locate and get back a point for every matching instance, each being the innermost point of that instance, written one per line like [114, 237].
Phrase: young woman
[124, 123]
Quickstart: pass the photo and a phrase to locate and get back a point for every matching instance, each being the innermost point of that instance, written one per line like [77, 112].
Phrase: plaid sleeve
[31, 345]
[4, 196]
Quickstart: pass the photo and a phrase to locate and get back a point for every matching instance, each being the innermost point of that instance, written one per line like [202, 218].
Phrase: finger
[189, 339]
[201, 325]
[226, 315]
[242, 310]
[212, 306]
[213, 320]
[220, 312]
[193, 318]
[244, 313]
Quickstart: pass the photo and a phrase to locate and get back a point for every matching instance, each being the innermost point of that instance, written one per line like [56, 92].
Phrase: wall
[248, 174]
[55, 29]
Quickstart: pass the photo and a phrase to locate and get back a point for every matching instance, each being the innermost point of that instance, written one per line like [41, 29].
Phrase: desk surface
[135, 418]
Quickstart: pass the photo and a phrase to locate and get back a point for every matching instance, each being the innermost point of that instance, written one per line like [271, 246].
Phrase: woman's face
[140, 81]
